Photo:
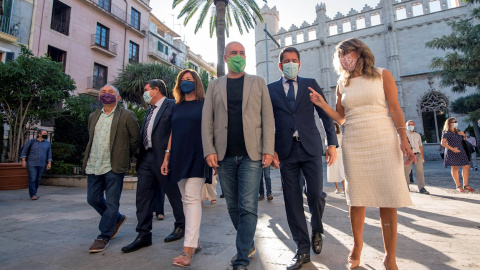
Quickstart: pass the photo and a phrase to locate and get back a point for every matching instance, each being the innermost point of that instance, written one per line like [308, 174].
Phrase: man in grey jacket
[114, 138]
[238, 141]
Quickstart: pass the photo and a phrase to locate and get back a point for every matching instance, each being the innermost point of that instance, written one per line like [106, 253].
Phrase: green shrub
[62, 152]
[59, 167]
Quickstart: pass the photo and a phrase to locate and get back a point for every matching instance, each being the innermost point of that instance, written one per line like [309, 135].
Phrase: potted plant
[29, 88]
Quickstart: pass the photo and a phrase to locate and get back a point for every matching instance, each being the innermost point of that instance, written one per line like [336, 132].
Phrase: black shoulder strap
[32, 141]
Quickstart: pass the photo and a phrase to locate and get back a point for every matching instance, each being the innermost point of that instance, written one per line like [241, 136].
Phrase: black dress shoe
[317, 242]
[300, 259]
[177, 234]
[137, 244]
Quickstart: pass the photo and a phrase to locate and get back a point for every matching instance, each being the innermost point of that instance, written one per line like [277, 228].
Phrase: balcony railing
[95, 82]
[109, 45]
[9, 26]
[120, 14]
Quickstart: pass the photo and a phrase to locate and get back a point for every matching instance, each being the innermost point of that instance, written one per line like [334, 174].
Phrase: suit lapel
[246, 90]
[113, 129]
[300, 92]
[160, 113]
[222, 82]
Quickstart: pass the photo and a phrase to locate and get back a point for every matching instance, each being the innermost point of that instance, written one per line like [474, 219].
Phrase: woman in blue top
[184, 157]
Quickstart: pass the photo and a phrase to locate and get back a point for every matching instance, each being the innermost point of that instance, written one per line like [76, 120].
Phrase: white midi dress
[372, 157]
[336, 172]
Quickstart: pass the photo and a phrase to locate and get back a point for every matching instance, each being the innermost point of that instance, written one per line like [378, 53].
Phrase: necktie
[145, 128]
[291, 94]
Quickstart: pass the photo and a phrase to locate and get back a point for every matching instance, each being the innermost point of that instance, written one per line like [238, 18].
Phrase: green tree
[29, 86]
[243, 12]
[470, 106]
[132, 79]
[460, 67]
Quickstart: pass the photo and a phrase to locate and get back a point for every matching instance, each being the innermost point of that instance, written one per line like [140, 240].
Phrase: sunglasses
[453, 122]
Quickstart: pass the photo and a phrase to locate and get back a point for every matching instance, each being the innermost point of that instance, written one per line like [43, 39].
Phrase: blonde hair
[199, 90]
[366, 61]
[446, 126]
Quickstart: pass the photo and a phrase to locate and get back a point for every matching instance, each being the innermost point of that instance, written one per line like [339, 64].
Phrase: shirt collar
[111, 113]
[284, 80]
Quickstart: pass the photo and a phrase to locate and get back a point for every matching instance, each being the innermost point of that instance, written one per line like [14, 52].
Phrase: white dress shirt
[415, 141]
[152, 120]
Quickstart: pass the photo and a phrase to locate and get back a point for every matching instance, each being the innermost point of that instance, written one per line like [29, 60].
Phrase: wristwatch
[167, 151]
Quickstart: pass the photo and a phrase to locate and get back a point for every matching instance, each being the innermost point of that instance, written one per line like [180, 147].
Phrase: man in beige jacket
[238, 141]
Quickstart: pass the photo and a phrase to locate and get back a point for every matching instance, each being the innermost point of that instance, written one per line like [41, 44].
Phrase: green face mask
[236, 63]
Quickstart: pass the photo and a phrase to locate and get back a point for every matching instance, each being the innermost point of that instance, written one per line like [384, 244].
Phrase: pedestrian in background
[159, 203]
[114, 137]
[415, 141]
[455, 155]
[209, 192]
[36, 156]
[268, 185]
[372, 152]
[336, 171]
[184, 163]
[473, 142]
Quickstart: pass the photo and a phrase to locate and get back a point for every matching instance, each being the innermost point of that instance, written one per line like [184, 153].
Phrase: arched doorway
[434, 107]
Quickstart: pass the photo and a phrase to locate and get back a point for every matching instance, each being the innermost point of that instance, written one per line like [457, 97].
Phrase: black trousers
[312, 169]
[149, 177]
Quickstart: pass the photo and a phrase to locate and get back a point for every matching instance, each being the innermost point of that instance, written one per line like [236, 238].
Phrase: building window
[434, 108]
[133, 52]
[60, 17]
[135, 19]
[160, 46]
[166, 50]
[10, 56]
[300, 38]
[333, 29]
[102, 36]
[57, 55]
[100, 75]
[105, 4]
[192, 66]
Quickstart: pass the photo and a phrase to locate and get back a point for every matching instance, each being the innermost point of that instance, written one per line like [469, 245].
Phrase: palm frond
[203, 14]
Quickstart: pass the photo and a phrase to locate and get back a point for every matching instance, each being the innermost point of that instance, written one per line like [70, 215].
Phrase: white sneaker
[337, 191]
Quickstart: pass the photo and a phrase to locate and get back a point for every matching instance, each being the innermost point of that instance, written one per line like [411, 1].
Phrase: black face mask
[45, 137]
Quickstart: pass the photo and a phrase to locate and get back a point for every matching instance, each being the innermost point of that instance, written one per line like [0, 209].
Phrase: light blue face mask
[147, 97]
[411, 128]
[455, 125]
[290, 70]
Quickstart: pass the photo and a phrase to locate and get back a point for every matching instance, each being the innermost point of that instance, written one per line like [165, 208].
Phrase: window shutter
[166, 50]
[9, 57]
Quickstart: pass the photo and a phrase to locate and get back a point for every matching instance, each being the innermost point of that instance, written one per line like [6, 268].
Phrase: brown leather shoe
[117, 226]
[35, 197]
[98, 245]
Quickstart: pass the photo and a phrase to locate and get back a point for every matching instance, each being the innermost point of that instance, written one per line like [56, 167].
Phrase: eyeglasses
[454, 122]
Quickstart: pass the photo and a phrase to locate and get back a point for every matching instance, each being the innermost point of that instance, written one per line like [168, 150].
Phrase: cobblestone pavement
[440, 231]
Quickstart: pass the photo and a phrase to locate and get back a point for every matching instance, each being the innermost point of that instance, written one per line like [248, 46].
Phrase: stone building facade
[396, 32]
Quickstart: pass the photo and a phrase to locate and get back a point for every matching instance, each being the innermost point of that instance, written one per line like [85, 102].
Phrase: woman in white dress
[372, 152]
[336, 172]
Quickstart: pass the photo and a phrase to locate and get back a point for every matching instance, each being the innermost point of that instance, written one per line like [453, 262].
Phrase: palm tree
[244, 12]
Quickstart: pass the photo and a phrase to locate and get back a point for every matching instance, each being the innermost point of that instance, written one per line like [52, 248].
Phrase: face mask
[147, 97]
[290, 70]
[468, 134]
[348, 62]
[411, 128]
[108, 98]
[187, 86]
[45, 137]
[455, 125]
[236, 63]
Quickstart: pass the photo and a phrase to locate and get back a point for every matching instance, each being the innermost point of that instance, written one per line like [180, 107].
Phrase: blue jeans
[34, 177]
[268, 182]
[111, 184]
[240, 180]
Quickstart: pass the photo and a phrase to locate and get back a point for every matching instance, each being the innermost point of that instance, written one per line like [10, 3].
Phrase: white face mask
[455, 125]
[290, 70]
[411, 128]
[147, 97]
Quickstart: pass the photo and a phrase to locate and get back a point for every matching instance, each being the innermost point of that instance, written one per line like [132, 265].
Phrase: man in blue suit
[298, 146]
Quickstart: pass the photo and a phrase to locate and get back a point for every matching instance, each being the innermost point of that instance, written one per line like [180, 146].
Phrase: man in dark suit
[155, 133]
[298, 146]
[113, 139]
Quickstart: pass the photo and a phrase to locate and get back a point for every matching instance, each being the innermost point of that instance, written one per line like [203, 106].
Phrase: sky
[289, 14]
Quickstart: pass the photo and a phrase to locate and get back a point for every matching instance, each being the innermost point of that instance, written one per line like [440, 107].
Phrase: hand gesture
[407, 151]
[275, 162]
[164, 168]
[316, 98]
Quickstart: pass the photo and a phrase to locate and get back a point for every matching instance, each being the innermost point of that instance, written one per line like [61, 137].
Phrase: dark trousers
[110, 184]
[290, 168]
[268, 182]
[159, 201]
[149, 177]
[34, 178]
